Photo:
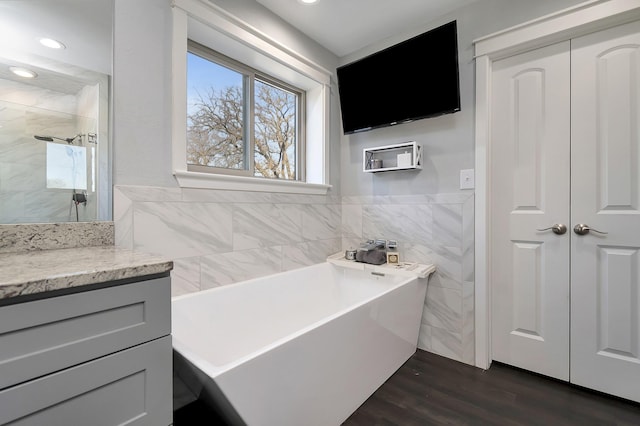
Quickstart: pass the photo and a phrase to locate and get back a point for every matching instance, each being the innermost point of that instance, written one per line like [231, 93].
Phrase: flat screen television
[417, 78]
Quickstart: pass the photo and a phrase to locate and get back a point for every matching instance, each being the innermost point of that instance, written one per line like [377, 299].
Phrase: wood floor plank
[432, 390]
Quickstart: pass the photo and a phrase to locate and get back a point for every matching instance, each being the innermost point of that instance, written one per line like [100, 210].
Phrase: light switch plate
[467, 180]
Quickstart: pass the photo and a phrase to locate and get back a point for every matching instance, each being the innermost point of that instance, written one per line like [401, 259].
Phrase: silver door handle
[582, 229]
[558, 228]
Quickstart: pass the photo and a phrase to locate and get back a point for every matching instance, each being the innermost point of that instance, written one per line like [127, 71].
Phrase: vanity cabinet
[96, 357]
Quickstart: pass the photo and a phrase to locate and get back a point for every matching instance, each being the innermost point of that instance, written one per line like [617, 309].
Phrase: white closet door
[605, 272]
[530, 180]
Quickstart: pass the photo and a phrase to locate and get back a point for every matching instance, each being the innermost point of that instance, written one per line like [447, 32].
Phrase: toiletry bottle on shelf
[404, 160]
[393, 257]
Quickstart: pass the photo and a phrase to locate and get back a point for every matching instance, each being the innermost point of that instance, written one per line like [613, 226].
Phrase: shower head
[51, 138]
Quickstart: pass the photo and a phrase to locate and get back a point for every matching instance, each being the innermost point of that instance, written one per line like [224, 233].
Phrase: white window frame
[209, 25]
[254, 76]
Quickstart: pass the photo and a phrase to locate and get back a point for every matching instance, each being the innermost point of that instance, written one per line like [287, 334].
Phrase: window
[250, 53]
[240, 121]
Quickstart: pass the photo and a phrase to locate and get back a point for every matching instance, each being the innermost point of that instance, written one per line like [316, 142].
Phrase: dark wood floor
[432, 390]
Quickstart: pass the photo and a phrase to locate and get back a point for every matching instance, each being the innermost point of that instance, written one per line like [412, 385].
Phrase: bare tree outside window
[275, 132]
[216, 128]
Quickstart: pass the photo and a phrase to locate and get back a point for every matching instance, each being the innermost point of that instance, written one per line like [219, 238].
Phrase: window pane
[275, 132]
[215, 135]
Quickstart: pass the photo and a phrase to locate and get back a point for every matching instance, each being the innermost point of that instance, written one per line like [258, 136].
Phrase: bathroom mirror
[54, 110]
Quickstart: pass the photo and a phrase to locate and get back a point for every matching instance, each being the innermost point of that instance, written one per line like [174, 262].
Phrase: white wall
[142, 93]
[448, 141]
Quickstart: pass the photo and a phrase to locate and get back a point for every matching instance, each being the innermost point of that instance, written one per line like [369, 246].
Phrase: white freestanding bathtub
[305, 347]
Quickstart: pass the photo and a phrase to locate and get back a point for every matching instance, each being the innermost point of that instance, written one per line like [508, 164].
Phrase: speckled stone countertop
[31, 272]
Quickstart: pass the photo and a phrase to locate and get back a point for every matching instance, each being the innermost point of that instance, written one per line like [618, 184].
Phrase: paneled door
[530, 134]
[565, 154]
[605, 196]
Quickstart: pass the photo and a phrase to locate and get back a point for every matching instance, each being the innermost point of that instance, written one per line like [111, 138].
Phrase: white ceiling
[345, 26]
[84, 26]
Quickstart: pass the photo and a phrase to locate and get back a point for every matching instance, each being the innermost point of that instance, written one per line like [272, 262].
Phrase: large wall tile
[123, 219]
[308, 253]
[185, 276]
[282, 198]
[415, 252]
[454, 198]
[438, 279]
[443, 309]
[12, 206]
[407, 199]
[21, 177]
[229, 268]
[449, 262]
[141, 194]
[265, 225]
[321, 221]
[446, 343]
[468, 323]
[403, 223]
[424, 337]
[182, 229]
[222, 196]
[352, 221]
[468, 241]
[351, 243]
[447, 224]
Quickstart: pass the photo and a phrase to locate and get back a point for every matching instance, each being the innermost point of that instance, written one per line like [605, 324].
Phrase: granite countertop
[27, 273]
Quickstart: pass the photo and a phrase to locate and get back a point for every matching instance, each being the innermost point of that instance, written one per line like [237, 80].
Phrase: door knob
[582, 229]
[558, 228]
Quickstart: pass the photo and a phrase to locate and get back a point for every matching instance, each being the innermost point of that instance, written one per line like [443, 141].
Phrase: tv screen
[414, 79]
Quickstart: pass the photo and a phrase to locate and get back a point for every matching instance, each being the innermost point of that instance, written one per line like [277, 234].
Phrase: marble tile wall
[220, 237]
[428, 228]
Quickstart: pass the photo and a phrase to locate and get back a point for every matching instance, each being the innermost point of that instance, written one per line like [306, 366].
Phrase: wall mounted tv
[414, 79]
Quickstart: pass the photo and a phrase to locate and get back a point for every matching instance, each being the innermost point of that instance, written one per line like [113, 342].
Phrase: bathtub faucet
[372, 252]
[373, 244]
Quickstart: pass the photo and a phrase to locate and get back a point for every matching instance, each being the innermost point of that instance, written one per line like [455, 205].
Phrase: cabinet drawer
[47, 335]
[131, 387]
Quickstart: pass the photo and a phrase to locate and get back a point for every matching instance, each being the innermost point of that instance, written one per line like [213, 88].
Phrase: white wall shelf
[400, 156]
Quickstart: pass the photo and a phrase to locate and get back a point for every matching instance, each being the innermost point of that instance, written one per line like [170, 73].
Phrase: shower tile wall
[428, 228]
[221, 237]
[25, 111]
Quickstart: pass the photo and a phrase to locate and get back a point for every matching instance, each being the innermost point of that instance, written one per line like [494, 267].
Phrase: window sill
[188, 179]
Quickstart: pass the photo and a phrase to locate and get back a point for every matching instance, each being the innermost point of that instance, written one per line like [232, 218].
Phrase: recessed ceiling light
[53, 44]
[23, 72]
[308, 1]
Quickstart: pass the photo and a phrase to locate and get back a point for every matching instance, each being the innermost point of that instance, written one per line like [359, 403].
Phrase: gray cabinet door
[131, 387]
[48, 335]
